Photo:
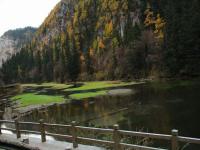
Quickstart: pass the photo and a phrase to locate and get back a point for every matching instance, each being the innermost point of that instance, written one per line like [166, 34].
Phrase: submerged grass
[79, 96]
[35, 99]
[82, 91]
[86, 85]
[99, 85]
[51, 85]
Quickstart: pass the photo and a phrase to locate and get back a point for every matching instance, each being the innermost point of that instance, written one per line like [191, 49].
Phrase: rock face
[89, 21]
[12, 41]
[7, 48]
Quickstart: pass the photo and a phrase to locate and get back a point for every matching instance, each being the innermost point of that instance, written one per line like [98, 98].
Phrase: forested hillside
[111, 39]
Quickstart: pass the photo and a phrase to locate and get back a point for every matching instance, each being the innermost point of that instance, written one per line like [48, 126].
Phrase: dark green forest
[110, 40]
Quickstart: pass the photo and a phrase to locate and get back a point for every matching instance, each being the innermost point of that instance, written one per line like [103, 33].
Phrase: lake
[151, 107]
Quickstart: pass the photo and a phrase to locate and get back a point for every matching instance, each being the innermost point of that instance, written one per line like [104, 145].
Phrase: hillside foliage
[111, 39]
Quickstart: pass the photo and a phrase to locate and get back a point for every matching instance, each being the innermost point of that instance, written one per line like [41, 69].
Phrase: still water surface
[156, 108]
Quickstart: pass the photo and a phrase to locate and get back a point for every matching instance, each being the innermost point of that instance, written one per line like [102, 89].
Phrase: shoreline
[118, 88]
[23, 111]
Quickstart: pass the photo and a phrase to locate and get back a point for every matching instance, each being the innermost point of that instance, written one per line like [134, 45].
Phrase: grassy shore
[35, 99]
[81, 91]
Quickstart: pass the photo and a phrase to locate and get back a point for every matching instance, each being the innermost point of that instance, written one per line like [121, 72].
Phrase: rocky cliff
[13, 40]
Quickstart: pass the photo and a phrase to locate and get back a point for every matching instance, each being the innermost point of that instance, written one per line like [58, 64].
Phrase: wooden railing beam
[115, 143]
[0, 128]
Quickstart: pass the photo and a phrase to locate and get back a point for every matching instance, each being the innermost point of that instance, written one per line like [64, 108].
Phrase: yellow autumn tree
[91, 51]
[149, 17]
[63, 37]
[108, 29]
[159, 27]
[105, 4]
[75, 19]
[70, 30]
[158, 24]
[101, 44]
[124, 5]
[113, 5]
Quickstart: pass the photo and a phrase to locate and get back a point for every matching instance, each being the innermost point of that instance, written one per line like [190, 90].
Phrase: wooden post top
[116, 127]
[41, 120]
[174, 132]
[73, 123]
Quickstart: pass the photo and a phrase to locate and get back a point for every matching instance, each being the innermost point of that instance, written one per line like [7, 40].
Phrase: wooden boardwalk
[75, 138]
[36, 144]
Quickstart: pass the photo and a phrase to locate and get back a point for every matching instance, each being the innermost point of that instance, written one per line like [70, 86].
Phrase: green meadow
[66, 92]
[28, 99]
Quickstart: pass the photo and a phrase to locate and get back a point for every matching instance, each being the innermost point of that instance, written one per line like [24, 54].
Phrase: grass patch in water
[99, 85]
[86, 85]
[99, 88]
[51, 85]
[95, 86]
[28, 99]
[79, 96]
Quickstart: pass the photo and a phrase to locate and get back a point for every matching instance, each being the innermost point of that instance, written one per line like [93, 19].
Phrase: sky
[22, 13]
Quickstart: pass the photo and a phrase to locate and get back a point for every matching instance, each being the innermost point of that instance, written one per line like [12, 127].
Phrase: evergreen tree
[73, 65]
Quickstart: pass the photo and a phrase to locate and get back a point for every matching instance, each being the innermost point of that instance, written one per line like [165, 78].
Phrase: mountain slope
[96, 29]
[111, 39]
[83, 37]
[85, 40]
[12, 41]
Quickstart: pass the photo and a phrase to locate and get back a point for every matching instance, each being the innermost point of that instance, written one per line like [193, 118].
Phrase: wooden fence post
[116, 137]
[1, 114]
[42, 130]
[0, 129]
[17, 128]
[175, 139]
[74, 136]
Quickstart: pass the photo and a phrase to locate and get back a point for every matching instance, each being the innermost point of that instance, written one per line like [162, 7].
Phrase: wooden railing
[116, 133]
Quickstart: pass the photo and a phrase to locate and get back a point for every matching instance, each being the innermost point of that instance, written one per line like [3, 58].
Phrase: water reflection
[84, 112]
[150, 108]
